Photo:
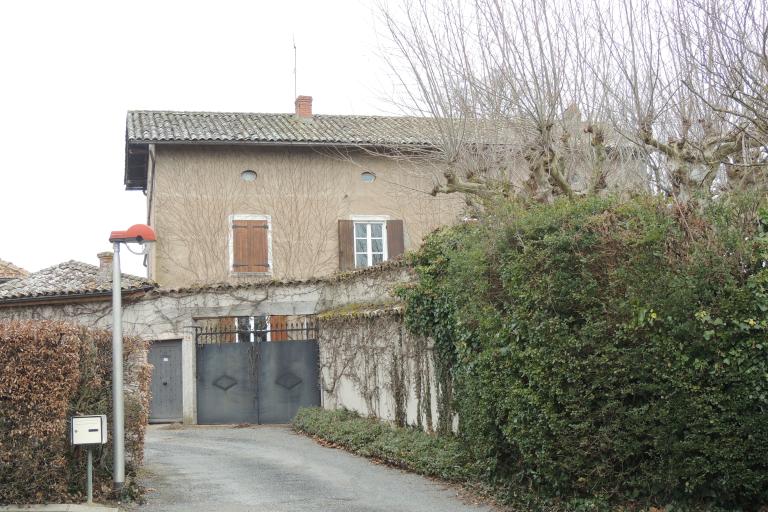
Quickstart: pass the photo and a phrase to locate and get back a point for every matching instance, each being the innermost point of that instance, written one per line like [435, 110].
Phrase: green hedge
[408, 448]
[607, 349]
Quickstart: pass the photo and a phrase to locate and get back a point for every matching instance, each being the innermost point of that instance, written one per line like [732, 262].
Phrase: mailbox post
[89, 431]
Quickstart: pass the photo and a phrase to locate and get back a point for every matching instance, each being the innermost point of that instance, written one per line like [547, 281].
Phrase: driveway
[270, 468]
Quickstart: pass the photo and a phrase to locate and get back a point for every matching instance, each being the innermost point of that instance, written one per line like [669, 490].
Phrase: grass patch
[406, 448]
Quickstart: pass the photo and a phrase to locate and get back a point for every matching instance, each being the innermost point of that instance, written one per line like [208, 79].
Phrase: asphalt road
[270, 468]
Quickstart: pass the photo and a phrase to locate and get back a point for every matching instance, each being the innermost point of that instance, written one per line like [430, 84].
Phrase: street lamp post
[141, 234]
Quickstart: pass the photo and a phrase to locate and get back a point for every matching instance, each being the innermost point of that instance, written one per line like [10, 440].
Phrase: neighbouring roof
[233, 127]
[10, 271]
[72, 278]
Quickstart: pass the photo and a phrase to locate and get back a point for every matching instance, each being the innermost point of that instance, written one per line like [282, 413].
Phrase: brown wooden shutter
[250, 246]
[395, 238]
[278, 325]
[217, 329]
[346, 245]
[227, 324]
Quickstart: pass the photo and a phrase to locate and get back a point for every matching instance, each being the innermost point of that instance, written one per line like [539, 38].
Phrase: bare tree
[540, 98]
[509, 88]
[726, 43]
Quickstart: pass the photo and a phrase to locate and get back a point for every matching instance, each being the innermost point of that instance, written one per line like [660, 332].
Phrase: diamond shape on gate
[288, 380]
[224, 382]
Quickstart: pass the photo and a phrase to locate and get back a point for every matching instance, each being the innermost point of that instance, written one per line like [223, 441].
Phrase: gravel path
[270, 468]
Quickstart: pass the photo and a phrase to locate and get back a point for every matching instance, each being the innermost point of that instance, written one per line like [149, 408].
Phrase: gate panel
[165, 386]
[226, 383]
[288, 379]
[256, 369]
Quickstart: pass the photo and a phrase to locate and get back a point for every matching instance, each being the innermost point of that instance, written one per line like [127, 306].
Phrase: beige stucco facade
[193, 192]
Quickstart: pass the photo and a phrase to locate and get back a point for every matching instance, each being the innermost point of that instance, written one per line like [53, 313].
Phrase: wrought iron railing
[241, 331]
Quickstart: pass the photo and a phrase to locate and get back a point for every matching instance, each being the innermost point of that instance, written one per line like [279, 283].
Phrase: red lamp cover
[135, 233]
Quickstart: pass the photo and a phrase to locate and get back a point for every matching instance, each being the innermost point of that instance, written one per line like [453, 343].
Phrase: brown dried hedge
[50, 371]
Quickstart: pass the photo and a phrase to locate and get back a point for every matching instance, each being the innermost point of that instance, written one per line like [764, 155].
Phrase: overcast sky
[71, 70]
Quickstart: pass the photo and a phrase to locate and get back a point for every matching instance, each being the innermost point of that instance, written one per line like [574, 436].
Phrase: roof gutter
[422, 145]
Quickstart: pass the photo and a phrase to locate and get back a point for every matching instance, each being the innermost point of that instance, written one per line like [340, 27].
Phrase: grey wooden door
[165, 356]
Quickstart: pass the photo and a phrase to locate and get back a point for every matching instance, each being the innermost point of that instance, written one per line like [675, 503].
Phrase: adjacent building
[9, 271]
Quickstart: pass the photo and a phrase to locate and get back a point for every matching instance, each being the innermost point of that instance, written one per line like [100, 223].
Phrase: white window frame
[231, 243]
[369, 219]
[252, 328]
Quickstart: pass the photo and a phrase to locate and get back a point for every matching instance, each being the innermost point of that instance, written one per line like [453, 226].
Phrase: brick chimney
[105, 263]
[304, 107]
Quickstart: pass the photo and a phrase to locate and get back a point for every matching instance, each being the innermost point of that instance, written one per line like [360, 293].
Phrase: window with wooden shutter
[250, 245]
[368, 241]
[395, 239]
[346, 245]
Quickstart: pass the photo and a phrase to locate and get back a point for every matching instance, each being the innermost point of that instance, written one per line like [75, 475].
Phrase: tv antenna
[294, 68]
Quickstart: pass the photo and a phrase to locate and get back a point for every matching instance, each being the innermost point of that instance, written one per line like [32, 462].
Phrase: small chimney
[304, 107]
[105, 263]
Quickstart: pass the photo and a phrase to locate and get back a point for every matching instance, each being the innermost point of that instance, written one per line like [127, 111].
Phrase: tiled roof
[10, 271]
[233, 127]
[67, 279]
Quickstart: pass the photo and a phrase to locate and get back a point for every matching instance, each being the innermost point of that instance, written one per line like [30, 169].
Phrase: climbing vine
[366, 352]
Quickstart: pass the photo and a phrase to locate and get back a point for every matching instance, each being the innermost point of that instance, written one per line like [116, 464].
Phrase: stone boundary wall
[369, 363]
[163, 314]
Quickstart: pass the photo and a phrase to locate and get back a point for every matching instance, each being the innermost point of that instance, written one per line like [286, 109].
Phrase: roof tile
[69, 278]
[162, 126]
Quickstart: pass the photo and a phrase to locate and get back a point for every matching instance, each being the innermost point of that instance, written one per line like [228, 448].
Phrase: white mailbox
[89, 429]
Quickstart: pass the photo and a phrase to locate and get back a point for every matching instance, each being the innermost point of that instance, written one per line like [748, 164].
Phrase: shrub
[50, 371]
[408, 448]
[605, 348]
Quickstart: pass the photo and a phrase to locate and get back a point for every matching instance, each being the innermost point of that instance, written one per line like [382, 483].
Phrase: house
[9, 271]
[245, 205]
[238, 197]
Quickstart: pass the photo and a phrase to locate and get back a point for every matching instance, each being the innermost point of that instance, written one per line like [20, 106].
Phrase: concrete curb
[65, 507]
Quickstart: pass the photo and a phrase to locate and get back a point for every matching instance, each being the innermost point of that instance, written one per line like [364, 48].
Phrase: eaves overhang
[137, 152]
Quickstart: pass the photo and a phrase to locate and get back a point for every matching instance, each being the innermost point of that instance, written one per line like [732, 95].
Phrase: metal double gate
[247, 379]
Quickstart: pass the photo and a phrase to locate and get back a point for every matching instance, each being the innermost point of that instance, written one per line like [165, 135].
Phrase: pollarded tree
[539, 98]
[509, 88]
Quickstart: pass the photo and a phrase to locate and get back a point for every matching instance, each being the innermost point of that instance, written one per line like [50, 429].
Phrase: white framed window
[370, 235]
[250, 244]
[253, 329]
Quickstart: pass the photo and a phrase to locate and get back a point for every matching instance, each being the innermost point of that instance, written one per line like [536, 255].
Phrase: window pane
[260, 323]
[378, 258]
[360, 230]
[361, 245]
[376, 230]
[377, 245]
[361, 260]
